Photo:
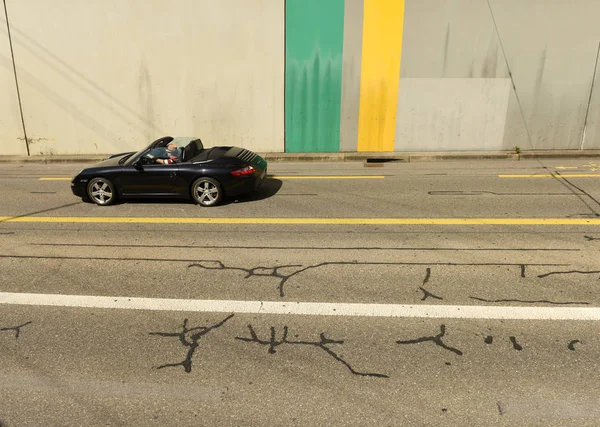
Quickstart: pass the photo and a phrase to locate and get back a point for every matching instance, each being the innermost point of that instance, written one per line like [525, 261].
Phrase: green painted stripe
[313, 75]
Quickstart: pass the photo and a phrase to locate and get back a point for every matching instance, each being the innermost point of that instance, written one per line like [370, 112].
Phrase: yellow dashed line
[549, 175]
[281, 177]
[312, 221]
[327, 176]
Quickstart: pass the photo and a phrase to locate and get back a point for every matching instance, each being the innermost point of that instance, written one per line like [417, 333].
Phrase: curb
[378, 157]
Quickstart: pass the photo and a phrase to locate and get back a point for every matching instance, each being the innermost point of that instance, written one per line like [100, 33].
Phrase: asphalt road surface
[445, 293]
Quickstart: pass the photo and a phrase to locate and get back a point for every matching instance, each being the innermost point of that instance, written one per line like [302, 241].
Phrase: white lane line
[305, 308]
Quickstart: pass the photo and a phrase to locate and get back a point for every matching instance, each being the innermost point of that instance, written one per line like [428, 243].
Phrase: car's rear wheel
[101, 191]
[207, 191]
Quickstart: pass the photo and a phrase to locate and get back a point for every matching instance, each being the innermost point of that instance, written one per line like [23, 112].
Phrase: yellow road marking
[327, 176]
[566, 167]
[281, 177]
[549, 175]
[311, 221]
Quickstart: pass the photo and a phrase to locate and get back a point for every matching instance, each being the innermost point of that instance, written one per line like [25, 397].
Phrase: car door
[149, 179]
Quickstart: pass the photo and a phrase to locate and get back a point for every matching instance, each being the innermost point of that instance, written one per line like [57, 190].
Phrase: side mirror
[138, 164]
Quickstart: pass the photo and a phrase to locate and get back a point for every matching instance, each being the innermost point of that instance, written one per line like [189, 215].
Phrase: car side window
[163, 155]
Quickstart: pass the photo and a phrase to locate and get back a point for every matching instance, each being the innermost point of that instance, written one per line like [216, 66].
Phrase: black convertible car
[186, 170]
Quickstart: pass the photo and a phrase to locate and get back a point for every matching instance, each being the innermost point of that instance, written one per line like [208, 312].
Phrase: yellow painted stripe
[383, 23]
[281, 177]
[328, 176]
[549, 175]
[311, 221]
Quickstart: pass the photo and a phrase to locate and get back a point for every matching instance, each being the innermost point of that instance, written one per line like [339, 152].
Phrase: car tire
[101, 191]
[207, 192]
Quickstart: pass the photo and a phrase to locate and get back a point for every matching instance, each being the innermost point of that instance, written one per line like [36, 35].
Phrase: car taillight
[248, 170]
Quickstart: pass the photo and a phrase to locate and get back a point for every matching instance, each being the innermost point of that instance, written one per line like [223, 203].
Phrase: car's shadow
[269, 188]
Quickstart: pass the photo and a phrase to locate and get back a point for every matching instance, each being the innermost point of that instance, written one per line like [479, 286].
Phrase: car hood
[111, 161]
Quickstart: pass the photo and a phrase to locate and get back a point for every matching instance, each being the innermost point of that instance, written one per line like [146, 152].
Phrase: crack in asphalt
[190, 341]
[516, 345]
[426, 293]
[531, 301]
[307, 248]
[283, 278]
[273, 342]
[552, 273]
[17, 329]
[437, 340]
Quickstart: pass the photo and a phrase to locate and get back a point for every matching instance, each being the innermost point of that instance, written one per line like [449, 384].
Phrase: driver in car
[165, 155]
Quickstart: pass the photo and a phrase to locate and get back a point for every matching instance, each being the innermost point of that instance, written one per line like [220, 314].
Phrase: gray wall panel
[592, 129]
[450, 38]
[452, 114]
[352, 57]
[100, 77]
[550, 47]
[12, 140]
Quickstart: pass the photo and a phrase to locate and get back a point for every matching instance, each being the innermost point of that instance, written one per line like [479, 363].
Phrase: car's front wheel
[101, 191]
[207, 191]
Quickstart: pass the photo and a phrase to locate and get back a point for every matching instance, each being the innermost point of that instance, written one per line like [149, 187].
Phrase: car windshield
[132, 157]
[125, 158]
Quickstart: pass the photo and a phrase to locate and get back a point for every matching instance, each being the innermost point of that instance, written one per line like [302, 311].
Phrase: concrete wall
[352, 60]
[11, 130]
[591, 137]
[550, 47]
[98, 77]
[106, 76]
[452, 114]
